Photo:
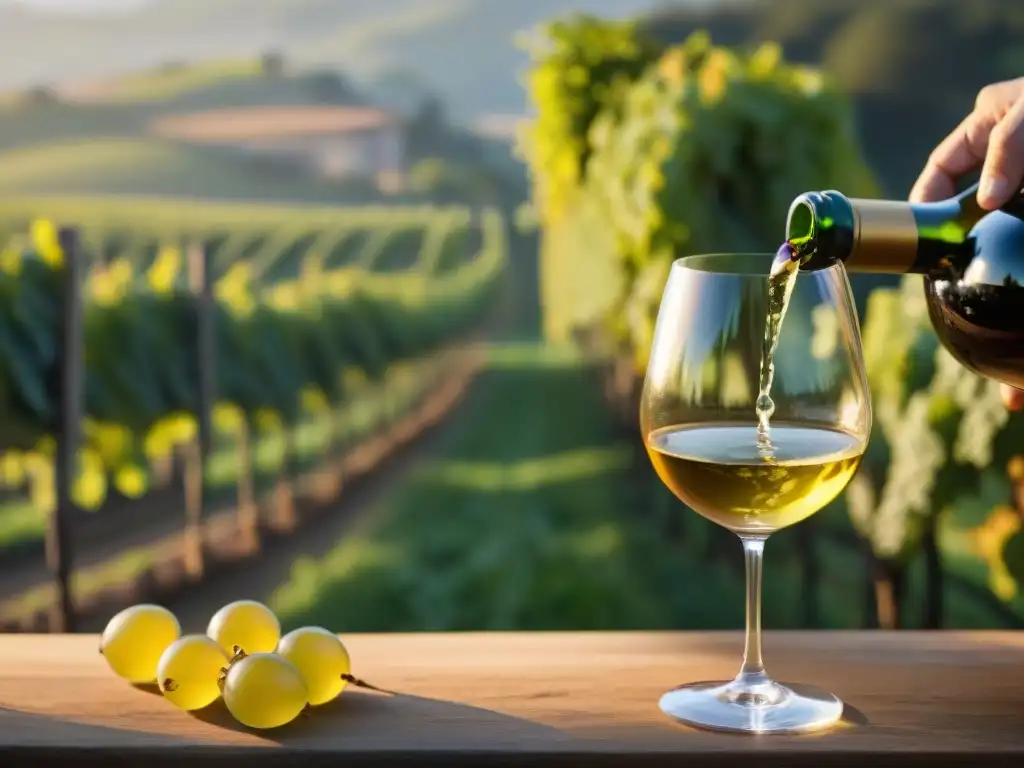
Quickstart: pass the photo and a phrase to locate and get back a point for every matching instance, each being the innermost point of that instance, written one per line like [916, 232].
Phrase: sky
[73, 44]
[80, 6]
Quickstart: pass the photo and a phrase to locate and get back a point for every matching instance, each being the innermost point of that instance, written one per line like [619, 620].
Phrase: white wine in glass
[756, 427]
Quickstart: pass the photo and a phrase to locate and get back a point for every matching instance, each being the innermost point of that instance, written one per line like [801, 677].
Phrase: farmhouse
[333, 141]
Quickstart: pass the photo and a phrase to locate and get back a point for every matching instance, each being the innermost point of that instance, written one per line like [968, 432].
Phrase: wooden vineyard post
[68, 390]
[201, 287]
[284, 492]
[502, 311]
[248, 517]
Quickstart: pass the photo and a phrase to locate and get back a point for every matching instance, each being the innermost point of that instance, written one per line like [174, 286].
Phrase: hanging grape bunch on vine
[705, 150]
[682, 149]
[580, 65]
[939, 463]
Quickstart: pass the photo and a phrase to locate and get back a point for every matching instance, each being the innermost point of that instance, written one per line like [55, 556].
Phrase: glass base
[776, 709]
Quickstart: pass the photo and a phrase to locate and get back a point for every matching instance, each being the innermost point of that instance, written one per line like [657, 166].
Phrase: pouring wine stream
[780, 288]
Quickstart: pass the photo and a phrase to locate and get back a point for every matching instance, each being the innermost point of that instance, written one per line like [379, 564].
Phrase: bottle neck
[887, 236]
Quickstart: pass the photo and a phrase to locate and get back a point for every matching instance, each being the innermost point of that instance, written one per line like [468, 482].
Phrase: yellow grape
[264, 690]
[135, 639]
[163, 272]
[250, 625]
[131, 481]
[321, 659]
[90, 487]
[188, 672]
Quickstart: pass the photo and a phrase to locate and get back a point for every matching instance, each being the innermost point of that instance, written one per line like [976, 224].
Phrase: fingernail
[993, 191]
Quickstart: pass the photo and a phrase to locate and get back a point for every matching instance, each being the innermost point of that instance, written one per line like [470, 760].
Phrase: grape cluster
[265, 680]
[317, 306]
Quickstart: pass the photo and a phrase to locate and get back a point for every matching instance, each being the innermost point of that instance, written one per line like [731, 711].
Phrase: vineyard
[547, 517]
[249, 341]
[646, 150]
[186, 383]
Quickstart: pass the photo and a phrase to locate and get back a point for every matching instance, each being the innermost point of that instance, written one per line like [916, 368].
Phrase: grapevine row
[313, 308]
[643, 151]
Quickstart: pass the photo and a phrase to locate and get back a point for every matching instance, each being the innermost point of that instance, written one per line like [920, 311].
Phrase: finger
[962, 151]
[1013, 398]
[1003, 171]
[932, 185]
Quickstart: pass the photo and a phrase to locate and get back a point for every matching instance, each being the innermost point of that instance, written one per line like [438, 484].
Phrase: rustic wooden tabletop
[537, 699]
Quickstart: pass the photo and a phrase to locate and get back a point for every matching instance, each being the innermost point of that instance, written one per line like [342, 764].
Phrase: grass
[167, 83]
[495, 533]
[137, 166]
[20, 522]
[525, 520]
[85, 582]
[170, 212]
[579, 274]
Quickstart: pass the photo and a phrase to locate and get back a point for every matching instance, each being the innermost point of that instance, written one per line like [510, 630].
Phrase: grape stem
[352, 680]
[222, 679]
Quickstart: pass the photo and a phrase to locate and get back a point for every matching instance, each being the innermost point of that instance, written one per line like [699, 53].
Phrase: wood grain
[537, 699]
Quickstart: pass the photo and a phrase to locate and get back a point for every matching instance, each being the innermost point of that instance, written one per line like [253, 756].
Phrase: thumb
[1013, 398]
[1003, 170]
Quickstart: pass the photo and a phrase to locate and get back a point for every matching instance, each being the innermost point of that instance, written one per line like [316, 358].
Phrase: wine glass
[700, 422]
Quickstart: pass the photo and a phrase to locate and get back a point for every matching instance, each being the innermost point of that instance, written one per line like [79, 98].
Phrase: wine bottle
[972, 261]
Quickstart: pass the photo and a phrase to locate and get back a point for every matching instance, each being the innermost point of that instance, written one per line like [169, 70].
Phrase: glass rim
[744, 264]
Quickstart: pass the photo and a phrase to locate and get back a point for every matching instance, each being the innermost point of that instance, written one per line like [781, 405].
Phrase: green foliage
[529, 537]
[938, 427]
[153, 166]
[892, 495]
[703, 151]
[527, 519]
[1013, 555]
[581, 66]
[710, 148]
[875, 51]
[289, 345]
[176, 80]
[447, 182]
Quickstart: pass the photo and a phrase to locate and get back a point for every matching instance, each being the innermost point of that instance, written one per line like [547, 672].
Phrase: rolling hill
[913, 66]
[154, 167]
[365, 38]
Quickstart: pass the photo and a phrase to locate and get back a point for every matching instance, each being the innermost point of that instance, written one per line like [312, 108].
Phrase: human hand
[991, 137]
[1013, 398]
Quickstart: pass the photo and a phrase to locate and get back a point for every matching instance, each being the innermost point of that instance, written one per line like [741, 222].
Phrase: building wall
[369, 153]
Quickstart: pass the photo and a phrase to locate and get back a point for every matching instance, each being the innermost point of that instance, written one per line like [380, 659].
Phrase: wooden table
[537, 699]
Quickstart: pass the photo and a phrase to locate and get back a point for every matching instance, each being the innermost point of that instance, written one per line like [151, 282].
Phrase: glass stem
[753, 663]
[753, 686]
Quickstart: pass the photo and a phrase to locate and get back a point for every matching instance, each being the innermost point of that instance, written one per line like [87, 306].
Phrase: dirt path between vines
[316, 511]
[256, 578]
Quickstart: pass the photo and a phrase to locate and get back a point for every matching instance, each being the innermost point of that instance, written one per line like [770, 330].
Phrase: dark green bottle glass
[972, 261]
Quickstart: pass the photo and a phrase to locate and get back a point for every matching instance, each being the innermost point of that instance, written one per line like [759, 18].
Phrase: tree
[272, 64]
[330, 87]
[445, 182]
